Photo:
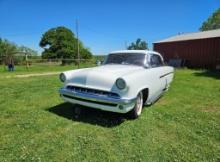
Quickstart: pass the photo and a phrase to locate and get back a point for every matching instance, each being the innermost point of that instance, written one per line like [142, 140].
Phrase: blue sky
[104, 25]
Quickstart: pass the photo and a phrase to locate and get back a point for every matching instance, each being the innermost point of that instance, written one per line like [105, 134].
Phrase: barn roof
[192, 36]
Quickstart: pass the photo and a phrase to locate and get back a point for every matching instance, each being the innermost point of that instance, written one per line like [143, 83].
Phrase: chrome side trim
[64, 91]
[166, 74]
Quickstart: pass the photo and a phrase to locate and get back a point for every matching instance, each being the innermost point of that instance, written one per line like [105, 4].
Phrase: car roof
[134, 51]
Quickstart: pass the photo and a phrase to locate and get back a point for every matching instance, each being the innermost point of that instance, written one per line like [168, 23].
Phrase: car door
[157, 70]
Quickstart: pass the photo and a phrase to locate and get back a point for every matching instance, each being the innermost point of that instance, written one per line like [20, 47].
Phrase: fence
[32, 62]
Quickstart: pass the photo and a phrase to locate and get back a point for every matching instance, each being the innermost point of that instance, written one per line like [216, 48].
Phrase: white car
[126, 81]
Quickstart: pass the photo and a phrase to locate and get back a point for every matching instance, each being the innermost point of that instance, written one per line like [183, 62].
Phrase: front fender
[137, 82]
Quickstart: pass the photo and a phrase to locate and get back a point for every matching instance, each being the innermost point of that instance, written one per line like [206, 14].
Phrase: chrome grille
[92, 91]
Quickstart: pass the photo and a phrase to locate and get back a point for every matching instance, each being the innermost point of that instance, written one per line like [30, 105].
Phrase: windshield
[126, 59]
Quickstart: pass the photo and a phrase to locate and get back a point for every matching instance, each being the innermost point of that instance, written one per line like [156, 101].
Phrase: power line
[126, 44]
[77, 34]
[41, 32]
[100, 33]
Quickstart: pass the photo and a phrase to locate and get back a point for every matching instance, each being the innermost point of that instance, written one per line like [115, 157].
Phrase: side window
[156, 61]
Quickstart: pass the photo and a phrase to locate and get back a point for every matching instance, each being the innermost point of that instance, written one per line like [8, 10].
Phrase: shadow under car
[88, 115]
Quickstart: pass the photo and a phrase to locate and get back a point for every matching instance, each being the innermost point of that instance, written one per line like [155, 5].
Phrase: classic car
[125, 81]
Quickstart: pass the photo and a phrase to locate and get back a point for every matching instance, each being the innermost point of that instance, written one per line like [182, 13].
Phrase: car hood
[101, 77]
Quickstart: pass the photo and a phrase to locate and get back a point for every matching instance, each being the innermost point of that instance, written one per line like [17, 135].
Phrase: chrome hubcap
[139, 103]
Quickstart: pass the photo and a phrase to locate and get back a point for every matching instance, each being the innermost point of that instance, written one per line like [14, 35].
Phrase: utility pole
[77, 35]
[126, 46]
[26, 60]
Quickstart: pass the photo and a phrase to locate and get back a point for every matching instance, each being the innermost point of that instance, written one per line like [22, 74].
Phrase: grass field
[36, 125]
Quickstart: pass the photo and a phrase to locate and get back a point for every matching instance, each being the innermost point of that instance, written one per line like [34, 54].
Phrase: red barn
[201, 49]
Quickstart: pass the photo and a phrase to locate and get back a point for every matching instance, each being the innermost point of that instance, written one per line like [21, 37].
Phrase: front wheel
[136, 111]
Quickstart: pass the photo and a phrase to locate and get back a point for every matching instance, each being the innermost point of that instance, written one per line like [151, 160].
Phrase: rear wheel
[136, 111]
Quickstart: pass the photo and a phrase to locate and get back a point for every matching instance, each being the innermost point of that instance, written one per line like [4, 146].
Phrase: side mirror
[146, 66]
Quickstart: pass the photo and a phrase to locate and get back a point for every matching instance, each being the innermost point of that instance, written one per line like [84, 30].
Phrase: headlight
[62, 77]
[120, 83]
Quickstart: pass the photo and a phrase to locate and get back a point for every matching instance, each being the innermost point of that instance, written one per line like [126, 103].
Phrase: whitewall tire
[137, 110]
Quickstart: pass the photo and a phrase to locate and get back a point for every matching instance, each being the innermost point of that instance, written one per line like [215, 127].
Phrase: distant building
[200, 50]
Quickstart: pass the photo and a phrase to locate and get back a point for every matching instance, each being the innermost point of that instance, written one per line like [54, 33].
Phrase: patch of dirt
[33, 75]
[162, 101]
[211, 109]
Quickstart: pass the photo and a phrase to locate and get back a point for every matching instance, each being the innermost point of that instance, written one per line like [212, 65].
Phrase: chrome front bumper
[99, 99]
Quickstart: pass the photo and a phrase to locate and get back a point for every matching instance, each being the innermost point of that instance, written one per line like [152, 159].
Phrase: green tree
[7, 52]
[7, 48]
[1, 50]
[213, 22]
[10, 52]
[60, 42]
[138, 45]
